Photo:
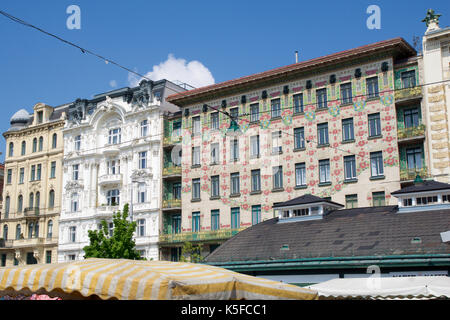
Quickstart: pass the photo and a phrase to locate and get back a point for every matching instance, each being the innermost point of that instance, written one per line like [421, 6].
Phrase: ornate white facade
[112, 156]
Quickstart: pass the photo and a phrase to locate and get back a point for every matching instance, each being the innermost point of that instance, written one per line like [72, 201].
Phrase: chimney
[296, 56]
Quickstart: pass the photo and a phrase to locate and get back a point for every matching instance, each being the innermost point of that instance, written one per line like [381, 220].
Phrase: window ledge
[377, 178]
[299, 149]
[255, 156]
[214, 197]
[214, 164]
[324, 184]
[375, 97]
[196, 200]
[351, 180]
[254, 122]
[195, 166]
[276, 153]
[323, 145]
[346, 104]
[375, 137]
[348, 141]
[255, 192]
[298, 113]
[275, 118]
[235, 195]
[277, 189]
[301, 187]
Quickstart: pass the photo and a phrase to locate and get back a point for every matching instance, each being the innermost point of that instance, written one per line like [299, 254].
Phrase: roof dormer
[306, 207]
[42, 113]
[423, 195]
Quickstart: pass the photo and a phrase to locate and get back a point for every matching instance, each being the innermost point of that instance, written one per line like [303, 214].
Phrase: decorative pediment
[141, 175]
[73, 185]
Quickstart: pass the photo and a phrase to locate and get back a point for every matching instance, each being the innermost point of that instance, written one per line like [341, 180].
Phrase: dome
[21, 116]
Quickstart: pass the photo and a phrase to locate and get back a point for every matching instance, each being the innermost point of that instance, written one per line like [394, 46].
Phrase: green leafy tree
[191, 253]
[118, 246]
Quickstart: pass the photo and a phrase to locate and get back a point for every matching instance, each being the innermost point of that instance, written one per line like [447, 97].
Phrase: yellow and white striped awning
[143, 280]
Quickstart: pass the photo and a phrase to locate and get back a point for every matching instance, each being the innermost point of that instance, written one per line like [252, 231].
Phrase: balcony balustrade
[170, 140]
[110, 179]
[31, 212]
[171, 169]
[408, 93]
[411, 132]
[407, 174]
[222, 234]
[171, 203]
[6, 243]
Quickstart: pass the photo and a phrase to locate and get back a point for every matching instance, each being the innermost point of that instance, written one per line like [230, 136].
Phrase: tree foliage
[118, 246]
[191, 253]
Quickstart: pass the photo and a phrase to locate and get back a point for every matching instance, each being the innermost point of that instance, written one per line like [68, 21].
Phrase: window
[21, 175]
[75, 171]
[33, 172]
[322, 133]
[215, 219]
[374, 125]
[300, 174]
[275, 107]
[254, 146]
[254, 112]
[214, 186]
[414, 158]
[36, 230]
[38, 200]
[113, 166]
[11, 149]
[299, 138]
[40, 116]
[48, 256]
[215, 153]
[114, 136]
[346, 93]
[196, 125]
[372, 87]
[276, 142]
[347, 130]
[142, 193]
[31, 200]
[176, 190]
[235, 188]
[234, 113]
[53, 169]
[321, 95]
[196, 189]
[376, 164]
[34, 144]
[176, 223]
[74, 202]
[256, 214]
[277, 177]
[41, 143]
[71, 257]
[234, 149]
[298, 103]
[407, 202]
[196, 222]
[5, 232]
[300, 212]
[141, 228]
[421, 201]
[411, 117]
[324, 171]
[176, 129]
[24, 148]
[18, 231]
[50, 229]
[195, 156]
[51, 199]
[7, 204]
[77, 144]
[378, 199]
[72, 235]
[19, 203]
[9, 176]
[215, 121]
[113, 197]
[235, 218]
[256, 180]
[408, 79]
[351, 201]
[54, 140]
[349, 167]
[38, 172]
[3, 262]
[30, 230]
[143, 160]
[144, 128]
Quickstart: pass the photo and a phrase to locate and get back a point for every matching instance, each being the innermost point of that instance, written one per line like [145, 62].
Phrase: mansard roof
[427, 185]
[304, 199]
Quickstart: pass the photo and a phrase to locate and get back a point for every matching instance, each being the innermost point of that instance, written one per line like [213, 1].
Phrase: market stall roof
[385, 288]
[142, 280]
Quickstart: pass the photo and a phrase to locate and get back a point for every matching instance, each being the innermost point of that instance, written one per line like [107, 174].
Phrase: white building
[112, 156]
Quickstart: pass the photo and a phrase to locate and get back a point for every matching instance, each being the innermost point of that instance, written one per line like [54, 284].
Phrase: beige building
[326, 127]
[32, 186]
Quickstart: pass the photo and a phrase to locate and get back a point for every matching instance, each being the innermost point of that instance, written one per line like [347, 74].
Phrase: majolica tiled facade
[358, 167]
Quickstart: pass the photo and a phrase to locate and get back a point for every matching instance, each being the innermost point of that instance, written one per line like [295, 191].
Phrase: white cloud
[113, 83]
[193, 72]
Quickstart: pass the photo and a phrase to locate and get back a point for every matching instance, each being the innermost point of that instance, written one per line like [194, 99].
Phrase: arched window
[30, 230]
[36, 230]
[24, 148]
[19, 203]
[7, 203]
[51, 199]
[18, 231]
[41, 143]
[11, 149]
[31, 200]
[5, 232]
[37, 201]
[34, 144]
[49, 229]
[74, 202]
[54, 140]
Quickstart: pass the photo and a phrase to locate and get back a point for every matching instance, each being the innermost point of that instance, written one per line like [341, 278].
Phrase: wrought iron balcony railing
[408, 93]
[222, 234]
[411, 132]
[169, 140]
[171, 203]
[407, 174]
[171, 169]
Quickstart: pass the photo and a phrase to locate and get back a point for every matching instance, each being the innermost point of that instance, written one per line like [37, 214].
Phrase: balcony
[106, 210]
[411, 133]
[171, 203]
[170, 140]
[110, 179]
[171, 170]
[31, 212]
[21, 243]
[222, 234]
[142, 206]
[406, 94]
[6, 243]
[409, 174]
[111, 150]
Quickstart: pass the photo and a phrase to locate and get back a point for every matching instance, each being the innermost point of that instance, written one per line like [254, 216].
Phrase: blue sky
[229, 38]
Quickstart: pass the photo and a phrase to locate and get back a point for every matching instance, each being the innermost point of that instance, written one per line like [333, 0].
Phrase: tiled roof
[372, 231]
[430, 185]
[399, 44]
[304, 199]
